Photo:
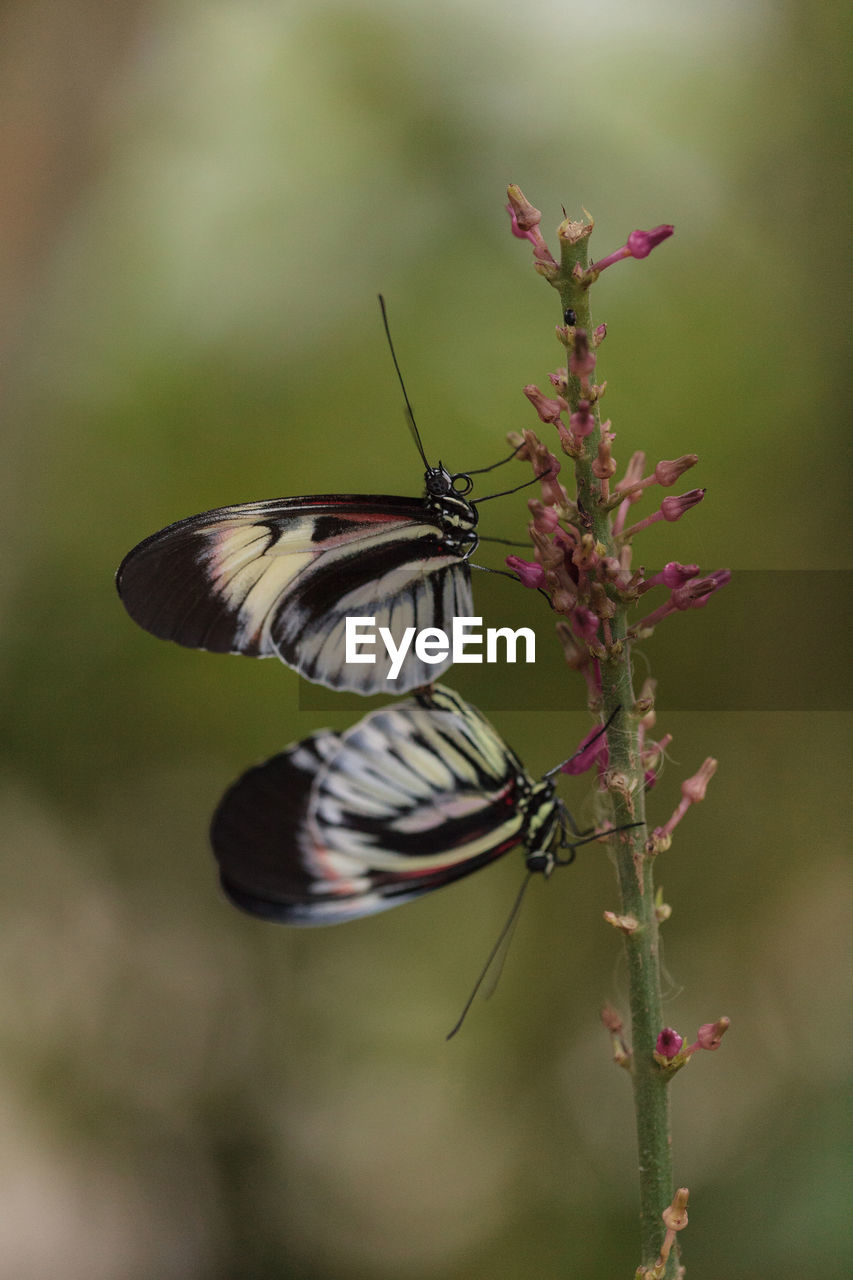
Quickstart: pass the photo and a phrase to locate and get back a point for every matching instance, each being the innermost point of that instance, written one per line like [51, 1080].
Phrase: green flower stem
[634, 868]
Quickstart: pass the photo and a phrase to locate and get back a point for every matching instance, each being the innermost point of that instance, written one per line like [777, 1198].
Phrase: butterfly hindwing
[280, 577]
[414, 796]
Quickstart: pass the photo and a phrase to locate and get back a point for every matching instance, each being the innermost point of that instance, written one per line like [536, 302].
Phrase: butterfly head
[440, 483]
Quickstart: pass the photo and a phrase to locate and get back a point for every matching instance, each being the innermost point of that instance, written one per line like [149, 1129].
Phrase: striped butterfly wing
[280, 578]
[413, 797]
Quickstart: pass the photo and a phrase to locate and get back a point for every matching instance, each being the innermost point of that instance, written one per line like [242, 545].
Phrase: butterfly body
[279, 578]
[414, 796]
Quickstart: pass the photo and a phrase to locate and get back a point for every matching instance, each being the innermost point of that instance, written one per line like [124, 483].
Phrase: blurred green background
[200, 202]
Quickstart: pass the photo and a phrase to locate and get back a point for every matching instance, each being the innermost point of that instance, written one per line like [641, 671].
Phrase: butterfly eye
[462, 484]
[438, 481]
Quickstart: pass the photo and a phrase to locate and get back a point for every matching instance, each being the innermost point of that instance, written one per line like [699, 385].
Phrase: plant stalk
[634, 867]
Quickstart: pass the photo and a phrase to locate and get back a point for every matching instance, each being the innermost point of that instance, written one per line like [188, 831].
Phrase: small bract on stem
[582, 559]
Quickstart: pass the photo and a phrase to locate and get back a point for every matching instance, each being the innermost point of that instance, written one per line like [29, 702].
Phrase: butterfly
[412, 797]
[280, 578]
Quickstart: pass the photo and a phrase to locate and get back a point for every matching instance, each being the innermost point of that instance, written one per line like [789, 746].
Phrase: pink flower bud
[548, 410]
[710, 1034]
[599, 333]
[592, 749]
[582, 421]
[641, 243]
[581, 359]
[633, 474]
[604, 466]
[673, 509]
[545, 519]
[530, 574]
[669, 1043]
[523, 216]
[675, 575]
[696, 593]
[693, 789]
[585, 623]
[553, 493]
[666, 473]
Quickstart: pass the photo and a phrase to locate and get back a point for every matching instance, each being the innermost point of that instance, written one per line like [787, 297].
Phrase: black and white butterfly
[412, 797]
[280, 578]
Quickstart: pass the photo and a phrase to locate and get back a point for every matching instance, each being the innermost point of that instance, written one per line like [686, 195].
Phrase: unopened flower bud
[529, 573]
[675, 575]
[696, 593]
[710, 1034]
[633, 475]
[673, 509]
[522, 213]
[604, 465]
[582, 420]
[693, 789]
[581, 359]
[548, 410]
[545, 519]
[666, 473]
[641, 243]
[638, 245]
[585, 623]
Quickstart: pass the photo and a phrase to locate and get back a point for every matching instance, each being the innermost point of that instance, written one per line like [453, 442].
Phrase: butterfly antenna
[502, 938]
[603, 729]
[409, 411]
[505, 573]
[505, 492]
[479, 471]
[506, 542]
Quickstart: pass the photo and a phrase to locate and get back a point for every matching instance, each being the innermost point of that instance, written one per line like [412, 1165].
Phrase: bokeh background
[199, 204]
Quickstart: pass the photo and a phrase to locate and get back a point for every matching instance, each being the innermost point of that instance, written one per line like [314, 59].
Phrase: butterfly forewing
[280, 578]
[414, 796]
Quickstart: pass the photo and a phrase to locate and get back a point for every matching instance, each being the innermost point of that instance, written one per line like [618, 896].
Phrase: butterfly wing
[280, 578]
[413, 797]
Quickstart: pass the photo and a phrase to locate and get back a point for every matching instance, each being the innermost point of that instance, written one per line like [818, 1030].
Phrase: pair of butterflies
[414, 796]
